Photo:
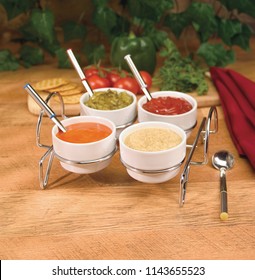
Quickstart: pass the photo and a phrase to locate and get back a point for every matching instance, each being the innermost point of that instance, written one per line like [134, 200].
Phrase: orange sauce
[84, 132]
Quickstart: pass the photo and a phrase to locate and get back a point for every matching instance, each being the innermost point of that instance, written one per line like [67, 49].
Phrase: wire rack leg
[44, 179]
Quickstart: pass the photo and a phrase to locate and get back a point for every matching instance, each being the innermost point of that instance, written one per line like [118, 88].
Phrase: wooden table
[109, 215]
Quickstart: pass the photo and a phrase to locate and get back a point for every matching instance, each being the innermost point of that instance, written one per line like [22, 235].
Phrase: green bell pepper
[141, 49]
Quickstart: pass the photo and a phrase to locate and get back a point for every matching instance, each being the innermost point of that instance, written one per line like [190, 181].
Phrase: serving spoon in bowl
[44, 106]
[223, 160]
[80, 72]
[137, 76]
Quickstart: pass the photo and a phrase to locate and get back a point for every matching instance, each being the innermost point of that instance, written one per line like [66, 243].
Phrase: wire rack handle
[43, 179]
[206, 128]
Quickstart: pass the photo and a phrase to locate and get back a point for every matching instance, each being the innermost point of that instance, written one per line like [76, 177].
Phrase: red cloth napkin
[237, 95]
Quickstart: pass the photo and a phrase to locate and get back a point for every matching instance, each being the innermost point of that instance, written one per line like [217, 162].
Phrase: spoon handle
[79, 71]
[137, 76]
[223, 195]
[37, 98]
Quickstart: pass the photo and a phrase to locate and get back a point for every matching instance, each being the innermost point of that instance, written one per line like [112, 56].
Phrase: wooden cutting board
[212, 97]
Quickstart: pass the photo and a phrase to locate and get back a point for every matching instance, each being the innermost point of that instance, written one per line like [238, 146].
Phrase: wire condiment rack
[208, 126]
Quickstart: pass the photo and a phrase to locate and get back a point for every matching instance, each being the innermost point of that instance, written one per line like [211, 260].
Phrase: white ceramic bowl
[121, 117]
[152, 167]
[186, 121]
[81, 154]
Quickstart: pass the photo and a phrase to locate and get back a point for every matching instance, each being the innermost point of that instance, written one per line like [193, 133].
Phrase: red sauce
[167, 105]
[84, 132]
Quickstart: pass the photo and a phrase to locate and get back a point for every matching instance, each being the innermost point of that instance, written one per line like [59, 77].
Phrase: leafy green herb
[180, 73]
[8, 61]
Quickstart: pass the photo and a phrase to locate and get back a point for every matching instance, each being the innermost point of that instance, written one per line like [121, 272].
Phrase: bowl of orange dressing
[84, 132]
[88, 144]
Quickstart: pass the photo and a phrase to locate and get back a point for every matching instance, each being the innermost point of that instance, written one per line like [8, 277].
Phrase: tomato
[99, 76]
[96, 81]
[94, 70]
[114, 75]
[127, 83]
[147, 79]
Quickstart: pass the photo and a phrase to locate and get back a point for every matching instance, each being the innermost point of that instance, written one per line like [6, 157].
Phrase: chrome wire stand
[204, 132]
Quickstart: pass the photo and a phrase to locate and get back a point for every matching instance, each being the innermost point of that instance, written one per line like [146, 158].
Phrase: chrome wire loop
[43, 180]
[204, 132]
[39, 121]
[159, 171]
[78, 163]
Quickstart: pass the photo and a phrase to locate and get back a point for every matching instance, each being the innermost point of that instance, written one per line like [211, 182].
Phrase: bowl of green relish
[118, 105]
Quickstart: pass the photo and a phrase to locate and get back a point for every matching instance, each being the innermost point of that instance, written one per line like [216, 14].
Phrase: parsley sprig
[180, 73]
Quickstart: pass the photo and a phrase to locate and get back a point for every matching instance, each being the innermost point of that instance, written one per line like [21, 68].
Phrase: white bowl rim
[164, 125]
[90, 143]
[184, 95]
[109, 111]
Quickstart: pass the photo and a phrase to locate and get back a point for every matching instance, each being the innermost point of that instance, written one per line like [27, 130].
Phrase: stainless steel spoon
[223, 160]
[137, 76]
[80, 72]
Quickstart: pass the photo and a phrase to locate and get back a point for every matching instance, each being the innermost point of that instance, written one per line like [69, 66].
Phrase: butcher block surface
[108, 214]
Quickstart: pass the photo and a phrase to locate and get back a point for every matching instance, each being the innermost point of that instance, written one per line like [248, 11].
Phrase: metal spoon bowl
[223, 160]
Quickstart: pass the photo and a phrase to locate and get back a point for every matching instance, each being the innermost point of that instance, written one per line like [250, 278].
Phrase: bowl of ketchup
[169, 106]
[87, 145]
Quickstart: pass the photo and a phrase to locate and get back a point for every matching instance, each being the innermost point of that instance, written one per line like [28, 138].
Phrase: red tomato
[147, 79]
[127, 83]
[96, 81]
[114, 75]
[94, 70]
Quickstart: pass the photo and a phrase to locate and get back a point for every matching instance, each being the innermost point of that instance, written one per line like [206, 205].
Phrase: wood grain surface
[109, 215]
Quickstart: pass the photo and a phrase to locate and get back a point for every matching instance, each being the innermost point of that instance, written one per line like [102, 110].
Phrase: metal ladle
[223, 160]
